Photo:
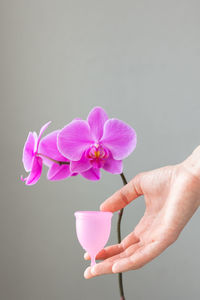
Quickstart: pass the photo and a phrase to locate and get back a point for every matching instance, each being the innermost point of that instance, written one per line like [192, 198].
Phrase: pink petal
[80, 166]
[36, 141]
[74, 139]
[36, 171]
[28, 151]
[57, 172]
[48, 147]
[92, 174]
[44, 127]
[113, 166]
[96, 119]
[97, 163]
[119, 138]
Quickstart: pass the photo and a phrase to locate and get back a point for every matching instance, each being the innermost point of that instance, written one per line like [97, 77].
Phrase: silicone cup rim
[83, 213]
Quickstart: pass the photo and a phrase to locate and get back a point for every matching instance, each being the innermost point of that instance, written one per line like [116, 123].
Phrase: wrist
[192, 166]
[193, 162]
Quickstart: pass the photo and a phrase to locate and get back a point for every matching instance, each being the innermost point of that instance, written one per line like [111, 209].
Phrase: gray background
[140, 60]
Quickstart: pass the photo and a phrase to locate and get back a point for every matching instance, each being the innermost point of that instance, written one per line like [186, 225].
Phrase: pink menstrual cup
[93, 230]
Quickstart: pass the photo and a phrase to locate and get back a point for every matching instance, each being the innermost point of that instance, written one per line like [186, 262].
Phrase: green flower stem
[120, 279]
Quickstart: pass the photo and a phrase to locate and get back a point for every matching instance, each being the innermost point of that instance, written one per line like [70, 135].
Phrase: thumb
[124, 196]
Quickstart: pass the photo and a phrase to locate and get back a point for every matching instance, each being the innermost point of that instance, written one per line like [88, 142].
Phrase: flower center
[97, 153]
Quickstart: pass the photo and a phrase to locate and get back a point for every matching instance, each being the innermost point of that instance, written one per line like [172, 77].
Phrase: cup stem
[93, 262]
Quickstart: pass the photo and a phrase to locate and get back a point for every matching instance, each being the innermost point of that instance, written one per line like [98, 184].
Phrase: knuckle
[123, 197]
[136, 184]
[127, 251]
[122, 246]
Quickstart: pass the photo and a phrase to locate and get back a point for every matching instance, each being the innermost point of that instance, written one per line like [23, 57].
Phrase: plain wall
[140, 60]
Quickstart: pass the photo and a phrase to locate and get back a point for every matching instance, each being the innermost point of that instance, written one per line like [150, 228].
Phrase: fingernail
[115, 268]
[86, 273]
[86, 256]
[101, 206]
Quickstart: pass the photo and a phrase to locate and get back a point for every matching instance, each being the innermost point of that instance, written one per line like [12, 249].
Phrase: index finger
[124, 196]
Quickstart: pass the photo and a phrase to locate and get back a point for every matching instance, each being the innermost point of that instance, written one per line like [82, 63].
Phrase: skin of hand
[172, 195]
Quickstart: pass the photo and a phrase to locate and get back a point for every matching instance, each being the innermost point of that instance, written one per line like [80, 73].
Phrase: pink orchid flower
[97, 143]
[32, 162]
[51, 156]
[58, 164]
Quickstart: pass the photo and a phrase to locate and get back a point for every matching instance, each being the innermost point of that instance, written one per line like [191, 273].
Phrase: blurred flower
[32, 162]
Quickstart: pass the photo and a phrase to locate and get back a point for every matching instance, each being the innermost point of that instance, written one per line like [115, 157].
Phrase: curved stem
[120, 279]
[123, 178]
[56, 161]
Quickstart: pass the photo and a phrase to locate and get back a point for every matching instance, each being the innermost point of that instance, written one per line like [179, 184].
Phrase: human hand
[172, 195]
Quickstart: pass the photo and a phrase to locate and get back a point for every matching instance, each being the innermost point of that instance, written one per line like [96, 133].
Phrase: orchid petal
[44, 127]
[28, 151]
[92, 174]
[57, 172]
[36, 141]
[96, 119]
[113, 166]
[48, 147]
[36, 170]
[80, 166]
[119, 138]
[74, 139]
